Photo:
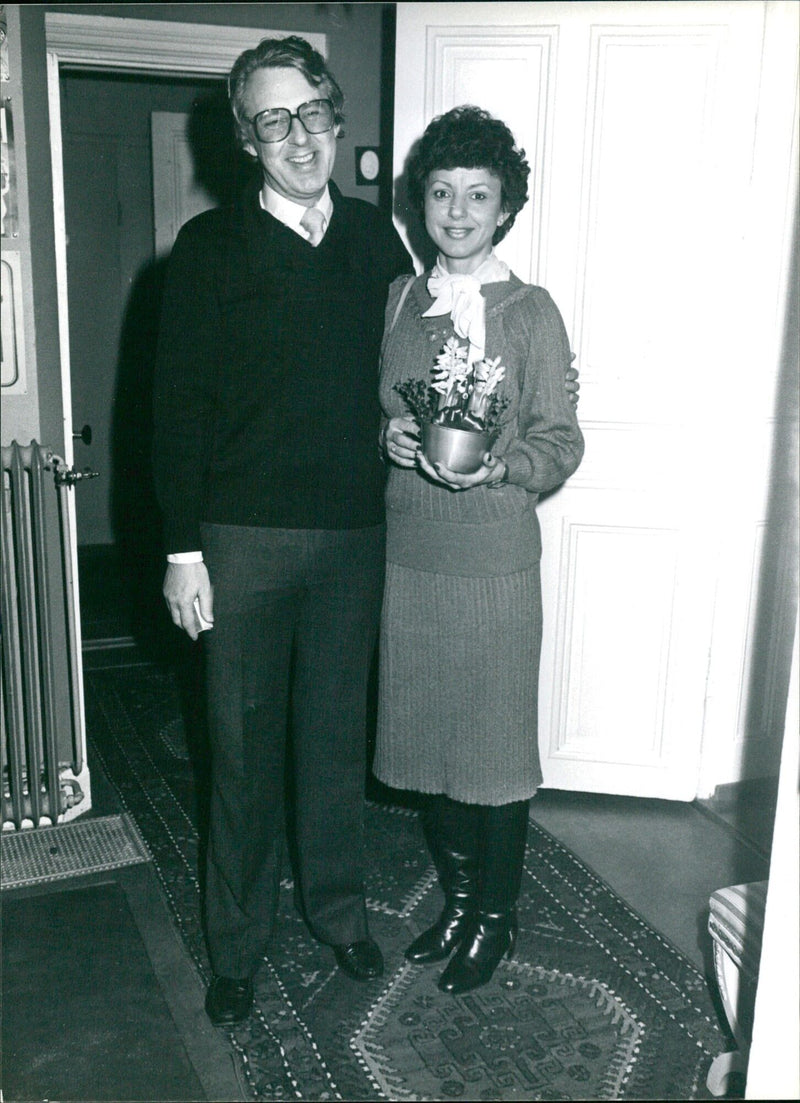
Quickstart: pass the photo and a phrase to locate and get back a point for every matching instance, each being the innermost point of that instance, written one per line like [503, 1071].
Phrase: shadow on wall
[776, 604]
[223, 171]
[411, 219]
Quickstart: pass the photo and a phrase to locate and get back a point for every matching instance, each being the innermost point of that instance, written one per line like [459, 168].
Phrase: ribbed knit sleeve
[183, 401]
[398, 292]
[548, 445]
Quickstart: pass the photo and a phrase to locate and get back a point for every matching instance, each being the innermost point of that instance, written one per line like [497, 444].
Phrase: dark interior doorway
[114, 282]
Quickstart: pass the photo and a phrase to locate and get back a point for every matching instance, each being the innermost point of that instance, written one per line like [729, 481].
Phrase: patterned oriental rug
[595, 1005]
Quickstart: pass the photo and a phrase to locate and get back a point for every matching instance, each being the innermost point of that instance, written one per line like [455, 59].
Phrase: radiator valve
[69, 476]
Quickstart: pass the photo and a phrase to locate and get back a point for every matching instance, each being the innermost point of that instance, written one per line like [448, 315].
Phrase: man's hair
[469, 138]
[291, 52]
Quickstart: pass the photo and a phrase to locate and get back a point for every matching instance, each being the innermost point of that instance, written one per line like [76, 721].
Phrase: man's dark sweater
[266, 399]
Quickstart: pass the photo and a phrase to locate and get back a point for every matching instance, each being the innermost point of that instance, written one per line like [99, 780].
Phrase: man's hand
[571, 383]
[183, 584]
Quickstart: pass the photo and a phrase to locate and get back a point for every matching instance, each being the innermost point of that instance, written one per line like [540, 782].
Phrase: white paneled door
[660, 139]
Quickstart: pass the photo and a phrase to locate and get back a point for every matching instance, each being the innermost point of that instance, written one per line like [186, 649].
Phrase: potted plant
[459, 410]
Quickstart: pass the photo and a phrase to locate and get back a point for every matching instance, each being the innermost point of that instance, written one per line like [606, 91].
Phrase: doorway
[115, 283]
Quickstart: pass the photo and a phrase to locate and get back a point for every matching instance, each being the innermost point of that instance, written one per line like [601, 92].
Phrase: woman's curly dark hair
[470, 138]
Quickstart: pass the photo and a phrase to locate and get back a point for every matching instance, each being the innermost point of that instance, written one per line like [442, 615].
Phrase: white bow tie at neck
[460, 296]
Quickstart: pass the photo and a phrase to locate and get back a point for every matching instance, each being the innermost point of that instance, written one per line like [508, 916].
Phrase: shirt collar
[288, 212]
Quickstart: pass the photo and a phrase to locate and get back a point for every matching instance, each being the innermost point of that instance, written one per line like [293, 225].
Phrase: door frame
[116, 44]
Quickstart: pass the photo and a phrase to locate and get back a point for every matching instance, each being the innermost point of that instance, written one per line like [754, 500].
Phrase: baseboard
[108, 644]
[747, 809]
[751, 791]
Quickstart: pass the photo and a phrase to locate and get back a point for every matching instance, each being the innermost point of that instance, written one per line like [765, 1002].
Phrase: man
[269, 476]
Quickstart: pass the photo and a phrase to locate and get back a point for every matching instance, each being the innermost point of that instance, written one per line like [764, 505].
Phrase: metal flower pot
[459, 450]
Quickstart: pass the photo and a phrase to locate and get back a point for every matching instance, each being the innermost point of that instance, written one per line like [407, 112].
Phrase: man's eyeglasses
[274, 124]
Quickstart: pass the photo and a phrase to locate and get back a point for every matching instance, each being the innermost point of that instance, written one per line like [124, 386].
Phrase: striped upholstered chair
[736, 925]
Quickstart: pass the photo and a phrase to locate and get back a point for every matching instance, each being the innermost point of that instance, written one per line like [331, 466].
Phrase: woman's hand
[490, 473]
[401, 441]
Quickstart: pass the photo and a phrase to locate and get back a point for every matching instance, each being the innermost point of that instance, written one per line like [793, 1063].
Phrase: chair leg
[723, 1067]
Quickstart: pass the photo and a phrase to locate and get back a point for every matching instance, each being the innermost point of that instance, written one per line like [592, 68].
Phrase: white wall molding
[154, 45]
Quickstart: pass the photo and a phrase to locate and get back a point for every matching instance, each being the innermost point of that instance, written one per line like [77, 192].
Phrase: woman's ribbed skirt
[459, 671]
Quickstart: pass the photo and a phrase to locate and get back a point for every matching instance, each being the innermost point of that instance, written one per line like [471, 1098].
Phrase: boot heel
[492, 938]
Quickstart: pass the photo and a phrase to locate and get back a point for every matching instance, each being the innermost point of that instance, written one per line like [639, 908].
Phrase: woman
[462, 616]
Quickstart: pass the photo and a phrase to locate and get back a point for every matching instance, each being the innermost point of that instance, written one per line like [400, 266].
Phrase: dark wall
[359, 53]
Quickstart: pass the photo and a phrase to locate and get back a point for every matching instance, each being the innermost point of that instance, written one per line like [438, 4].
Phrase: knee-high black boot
[492, 930]
[450, 831]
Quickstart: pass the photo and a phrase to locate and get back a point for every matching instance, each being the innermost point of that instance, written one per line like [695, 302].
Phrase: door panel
[643, 126]
[177, 194]
[627, 614]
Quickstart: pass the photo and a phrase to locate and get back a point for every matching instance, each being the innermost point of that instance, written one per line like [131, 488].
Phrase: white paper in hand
[203, 625]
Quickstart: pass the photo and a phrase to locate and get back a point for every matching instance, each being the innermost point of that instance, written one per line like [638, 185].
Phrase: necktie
[314, 222]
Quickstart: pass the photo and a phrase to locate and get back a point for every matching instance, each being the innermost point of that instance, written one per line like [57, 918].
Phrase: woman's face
[463, 208]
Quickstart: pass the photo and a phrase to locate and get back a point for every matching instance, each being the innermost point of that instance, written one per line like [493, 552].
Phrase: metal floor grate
[69, 850]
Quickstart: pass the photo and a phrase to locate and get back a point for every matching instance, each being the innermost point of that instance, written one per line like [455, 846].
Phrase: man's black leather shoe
[360, 960]
[229, 1000]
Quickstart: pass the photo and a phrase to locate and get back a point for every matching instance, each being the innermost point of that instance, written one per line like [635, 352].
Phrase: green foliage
[420, 398]
[422, 402]
[497, 407]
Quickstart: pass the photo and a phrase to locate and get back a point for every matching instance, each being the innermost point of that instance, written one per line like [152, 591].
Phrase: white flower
[488, 373]
[450, 374]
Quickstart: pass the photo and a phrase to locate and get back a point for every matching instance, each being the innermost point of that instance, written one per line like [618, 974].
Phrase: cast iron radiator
[44, 777]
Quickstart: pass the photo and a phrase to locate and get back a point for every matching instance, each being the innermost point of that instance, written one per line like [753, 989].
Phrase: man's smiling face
[299, 166]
